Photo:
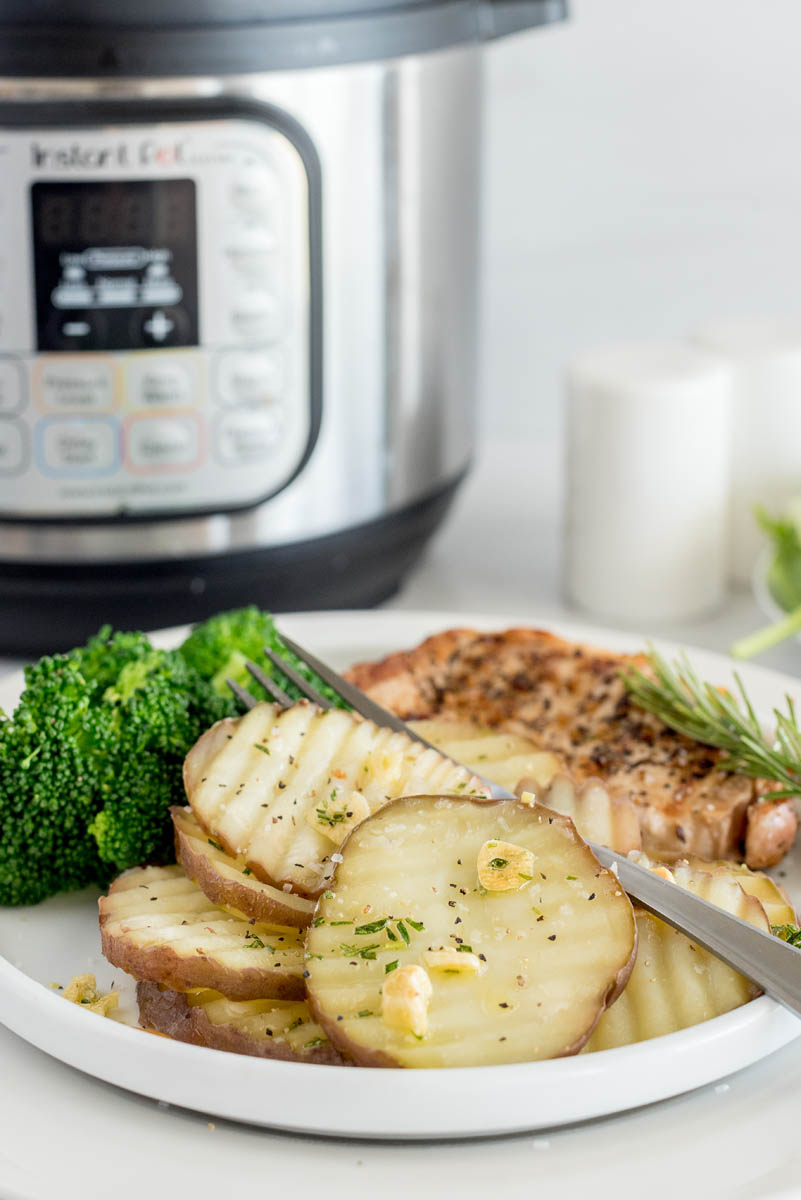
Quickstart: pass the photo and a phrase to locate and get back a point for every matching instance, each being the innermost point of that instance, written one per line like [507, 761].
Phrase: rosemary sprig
[719, 718]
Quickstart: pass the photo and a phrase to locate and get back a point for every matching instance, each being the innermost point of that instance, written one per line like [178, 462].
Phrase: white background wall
[642, 175]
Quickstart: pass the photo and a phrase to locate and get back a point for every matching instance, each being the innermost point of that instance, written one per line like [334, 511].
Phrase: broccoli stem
[768, 637]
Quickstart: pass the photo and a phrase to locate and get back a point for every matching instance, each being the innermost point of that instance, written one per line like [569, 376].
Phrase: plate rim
[406, 1111]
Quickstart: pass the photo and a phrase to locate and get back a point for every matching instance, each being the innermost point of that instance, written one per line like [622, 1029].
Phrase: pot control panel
[156, 340]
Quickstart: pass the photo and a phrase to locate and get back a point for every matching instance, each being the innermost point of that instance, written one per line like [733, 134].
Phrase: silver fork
[767, 960]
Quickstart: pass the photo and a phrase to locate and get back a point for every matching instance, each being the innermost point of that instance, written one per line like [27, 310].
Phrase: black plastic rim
[49, 607]
[177, 38]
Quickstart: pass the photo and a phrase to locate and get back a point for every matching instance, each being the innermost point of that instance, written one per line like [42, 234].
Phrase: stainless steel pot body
[378, 412]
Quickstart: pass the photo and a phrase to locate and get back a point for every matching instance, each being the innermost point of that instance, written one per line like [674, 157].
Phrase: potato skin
[229, 894]
[162, 965]
[364, 1056]
[168, 1012]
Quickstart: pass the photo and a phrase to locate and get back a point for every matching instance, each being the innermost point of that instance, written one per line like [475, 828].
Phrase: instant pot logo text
[82, 157]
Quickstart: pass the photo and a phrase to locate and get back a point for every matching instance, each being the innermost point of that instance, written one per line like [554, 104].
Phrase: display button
[78, 447]
[257, 316]
[12, 446]
[77, 329]
[254, 191]
[12, 398]
[161, 327]
[78, 385]
[162, 443]
[244, 438]
[160, 383]
[248, 378]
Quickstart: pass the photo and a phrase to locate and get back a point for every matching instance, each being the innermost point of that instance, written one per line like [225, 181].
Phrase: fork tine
[242, 694]
[278, 694]
[356, 698]
[368, 708]
[308, 689]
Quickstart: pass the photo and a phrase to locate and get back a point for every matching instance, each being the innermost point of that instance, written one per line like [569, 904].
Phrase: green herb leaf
[254, 942]
[360, 951]
[372, 927]
[718, 718]
[264, 750]
[788, 933]
[216, 845]
[390, 966]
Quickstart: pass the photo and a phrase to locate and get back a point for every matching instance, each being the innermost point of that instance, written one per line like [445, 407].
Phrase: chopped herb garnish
[465, 949]
[216, 845]
[403, 931]
[341, 922]
[498, 864]
[294, 1024]
[246, 871]
[254, 942]
[390, 966]
[318, 921]
[258, 746]
[365, 1012]
[418, 925]
[360, 951]
[329, 895]
[317, 1041]
[571, 877]
[372, 927]
[788, 933]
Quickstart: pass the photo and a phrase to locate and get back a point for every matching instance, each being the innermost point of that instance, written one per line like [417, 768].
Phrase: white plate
[58, 939]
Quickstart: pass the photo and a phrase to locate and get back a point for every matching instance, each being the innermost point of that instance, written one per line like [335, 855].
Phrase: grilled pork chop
[570, 700]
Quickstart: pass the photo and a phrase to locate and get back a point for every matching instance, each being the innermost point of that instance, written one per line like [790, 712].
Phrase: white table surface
[498, 553]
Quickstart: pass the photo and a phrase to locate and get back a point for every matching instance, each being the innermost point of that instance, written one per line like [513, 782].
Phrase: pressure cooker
[238, 264]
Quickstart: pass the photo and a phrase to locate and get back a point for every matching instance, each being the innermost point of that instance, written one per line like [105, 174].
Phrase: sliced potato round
[770, 894]
[544, 957]
[157, 925]
[229, 882]
[600, 816]
[282, 1029]
[505, 758]
[676, 983]
[288, 785]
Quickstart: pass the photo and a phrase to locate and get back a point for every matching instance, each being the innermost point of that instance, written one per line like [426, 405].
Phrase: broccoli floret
[91, 761]
[218, 648]
[46, 797]
[149, 719]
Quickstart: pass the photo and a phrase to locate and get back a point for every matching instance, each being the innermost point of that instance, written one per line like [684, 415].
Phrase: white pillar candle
[766, 425]
[647, 482]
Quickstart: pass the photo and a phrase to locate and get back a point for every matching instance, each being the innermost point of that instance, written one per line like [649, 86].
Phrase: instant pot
[238, 258]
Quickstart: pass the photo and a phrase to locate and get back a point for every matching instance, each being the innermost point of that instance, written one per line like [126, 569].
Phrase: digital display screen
[116, 264]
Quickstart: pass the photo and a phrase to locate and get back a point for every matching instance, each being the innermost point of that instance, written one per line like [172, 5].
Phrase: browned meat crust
[571, 700]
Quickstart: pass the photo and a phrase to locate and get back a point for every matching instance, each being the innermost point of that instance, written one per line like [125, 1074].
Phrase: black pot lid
[91, 38]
